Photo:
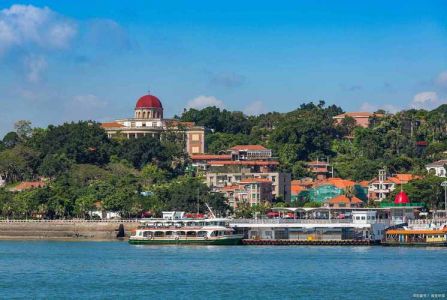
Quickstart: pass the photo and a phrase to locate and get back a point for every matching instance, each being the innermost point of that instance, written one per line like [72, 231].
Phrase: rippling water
[36, 269]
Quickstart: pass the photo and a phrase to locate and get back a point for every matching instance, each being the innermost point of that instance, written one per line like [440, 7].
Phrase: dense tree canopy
[85, 170]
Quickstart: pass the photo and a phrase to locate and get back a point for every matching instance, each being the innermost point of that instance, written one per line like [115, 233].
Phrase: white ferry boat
[214, 231]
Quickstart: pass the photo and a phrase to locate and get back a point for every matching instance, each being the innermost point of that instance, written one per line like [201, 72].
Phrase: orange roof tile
[230, 188]
[28, 185]
[255, 180]
[244, 162]
[360, 114]
[296, 189]
[337, 182]
[210, 157]
[364, 183]
[248, 147]
[111, 125]
[344, 199]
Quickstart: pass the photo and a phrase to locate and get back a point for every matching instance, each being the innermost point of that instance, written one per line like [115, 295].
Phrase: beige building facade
[148, 121]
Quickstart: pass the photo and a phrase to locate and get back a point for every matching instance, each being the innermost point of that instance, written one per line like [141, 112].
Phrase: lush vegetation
[86, 170]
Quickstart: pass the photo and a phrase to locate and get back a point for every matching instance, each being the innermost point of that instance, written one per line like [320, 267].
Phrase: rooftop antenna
[148, 91]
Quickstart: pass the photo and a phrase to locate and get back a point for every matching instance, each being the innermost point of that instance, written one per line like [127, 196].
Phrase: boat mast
[211, 211]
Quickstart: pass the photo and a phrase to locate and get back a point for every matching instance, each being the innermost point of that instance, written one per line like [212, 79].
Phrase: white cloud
[441, 80]
[27, 24]
[425, 100]
[204, 101]
[255, 108]
[34, 66]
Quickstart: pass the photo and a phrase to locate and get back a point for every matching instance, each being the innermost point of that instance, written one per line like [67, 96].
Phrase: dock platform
[286, 242]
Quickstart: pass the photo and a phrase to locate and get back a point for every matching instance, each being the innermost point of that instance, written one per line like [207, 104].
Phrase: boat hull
[206, 242]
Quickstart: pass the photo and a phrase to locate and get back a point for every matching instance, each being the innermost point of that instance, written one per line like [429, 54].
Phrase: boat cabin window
[201, 233]
[159, 233]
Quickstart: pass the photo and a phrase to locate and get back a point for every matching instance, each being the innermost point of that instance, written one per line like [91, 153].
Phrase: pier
[288, 242]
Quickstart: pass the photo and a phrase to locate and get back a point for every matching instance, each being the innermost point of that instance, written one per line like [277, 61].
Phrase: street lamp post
[444, 185]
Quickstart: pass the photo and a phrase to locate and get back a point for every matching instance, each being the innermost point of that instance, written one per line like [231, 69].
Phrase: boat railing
[290, 221]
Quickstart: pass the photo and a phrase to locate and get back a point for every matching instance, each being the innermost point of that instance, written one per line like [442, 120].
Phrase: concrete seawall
[64, 229]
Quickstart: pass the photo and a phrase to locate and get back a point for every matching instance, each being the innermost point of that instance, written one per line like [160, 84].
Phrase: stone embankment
[66, 229]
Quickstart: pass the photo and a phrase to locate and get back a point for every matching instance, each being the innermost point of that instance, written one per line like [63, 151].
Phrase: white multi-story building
[438, 167]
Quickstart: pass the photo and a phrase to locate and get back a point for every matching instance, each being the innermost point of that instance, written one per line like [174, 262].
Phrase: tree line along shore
[82, 169]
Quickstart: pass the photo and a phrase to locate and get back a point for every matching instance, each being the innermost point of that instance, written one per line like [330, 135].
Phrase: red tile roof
[364, 183]
[243, 162]
[344, 199]
[28, 185]
[361, 114]
[255, 180]
[337, 182]
[248, 147]
[210, 157]
[111, 125]
[296, 189]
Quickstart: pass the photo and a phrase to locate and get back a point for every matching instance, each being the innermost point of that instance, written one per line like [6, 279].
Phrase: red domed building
[148, 120]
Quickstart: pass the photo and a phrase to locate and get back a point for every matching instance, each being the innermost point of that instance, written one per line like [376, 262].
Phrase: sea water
[113, 270]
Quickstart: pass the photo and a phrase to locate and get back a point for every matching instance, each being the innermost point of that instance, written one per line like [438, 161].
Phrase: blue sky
[72, 60]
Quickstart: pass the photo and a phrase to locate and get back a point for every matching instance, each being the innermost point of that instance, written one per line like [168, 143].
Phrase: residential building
[280, 182]
[239, 163]
[252, 191]
[362, 119]
[320, 169]
[438, 168]
[250, 152]
[148, 121]
[381, 187]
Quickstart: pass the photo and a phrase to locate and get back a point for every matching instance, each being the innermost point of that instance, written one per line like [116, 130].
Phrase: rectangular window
[195, 137]
[195, 150]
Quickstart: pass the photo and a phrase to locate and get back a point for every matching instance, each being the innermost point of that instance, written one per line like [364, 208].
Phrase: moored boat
[186, 232]
[416, 237]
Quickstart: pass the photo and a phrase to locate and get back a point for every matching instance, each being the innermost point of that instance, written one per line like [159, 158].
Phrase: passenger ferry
[214, 231]
[416, 237]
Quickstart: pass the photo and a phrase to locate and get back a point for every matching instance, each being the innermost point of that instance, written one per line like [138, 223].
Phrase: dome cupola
[148, 107]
